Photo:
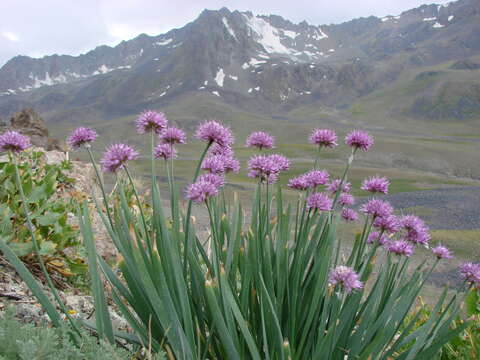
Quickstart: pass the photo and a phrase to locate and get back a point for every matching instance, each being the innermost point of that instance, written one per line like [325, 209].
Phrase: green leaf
[48, 219]
[21, 249]
[472, 302]
[47, 248]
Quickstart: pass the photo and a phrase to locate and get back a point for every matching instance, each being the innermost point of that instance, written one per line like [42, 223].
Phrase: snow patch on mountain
[228, 27]
[266, 35]
[164, 42]
[220, 77]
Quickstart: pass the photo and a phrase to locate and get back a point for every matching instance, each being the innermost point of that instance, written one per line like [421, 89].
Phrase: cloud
[10, 36]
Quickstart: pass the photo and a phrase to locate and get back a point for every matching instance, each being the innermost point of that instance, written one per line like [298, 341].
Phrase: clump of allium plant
[276, 284]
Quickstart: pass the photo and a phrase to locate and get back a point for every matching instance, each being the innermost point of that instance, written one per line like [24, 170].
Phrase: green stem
[317, 157]
[37, 249]
[344, 176]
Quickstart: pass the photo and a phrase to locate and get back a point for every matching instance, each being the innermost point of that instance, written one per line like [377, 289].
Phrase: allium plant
[271, 285]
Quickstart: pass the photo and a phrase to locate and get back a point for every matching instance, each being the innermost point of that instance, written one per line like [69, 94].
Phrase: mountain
[266, 65]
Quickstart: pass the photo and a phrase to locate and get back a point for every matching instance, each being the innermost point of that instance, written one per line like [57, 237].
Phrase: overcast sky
[43, 27]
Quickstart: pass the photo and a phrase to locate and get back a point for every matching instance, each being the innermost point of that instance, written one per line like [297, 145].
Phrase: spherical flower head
[346, 199]
[417, 231]
[375, 236]
[320, 202]
[173, 135]
[389, 224]
[267, 167]
[214, 132]
[471, 273]
[400, 247]
[349, 215]
[377, 208]
[14, 141]
[359, 139]
[149, 121]
[200, 191]
[345, 276]
[316, 177]
[216, 149]
[441, 252]
[230, 164]
[165, 151]
[116, 156]
[324, 138]
[281, 162]
[214, 164]
[335, 184]
[260, 140]
[298, 183]
[217, 180]
[81, 136]
[376, 184]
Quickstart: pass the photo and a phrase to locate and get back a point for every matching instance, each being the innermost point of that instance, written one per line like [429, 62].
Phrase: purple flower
[214, 132]
[81, 136]
[389, 224]
[359, 139]
[470, 272]
[346, 199]
[267, 167]
[323, 138]
[14, 141]
[216, 149]
[116, 156]
[214, 164]
[417, 231]
[400, 247]
[349, 215]
[298, 183]
[261, 140]
[173, 135]
[335, 184]
[165, 151]
[441, 252]
[345, 276]
[375, 236]
[215, 179]
[151, 121]
[376, 184]
[231, 164]
[282, 162]
[200, 191]
[319, 201]
[377, 208]
[316, 177]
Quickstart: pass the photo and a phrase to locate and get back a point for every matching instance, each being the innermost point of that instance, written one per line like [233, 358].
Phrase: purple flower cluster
[201, 190]
[377, 236]
[309, 180]
[173, 135]
[116, 156]
[335, 184]
[298, 183]
[214, 132]
[260, 140]
[217, 180]
[320, 202]
[400, 247]
[377, 208]
[441, 252]
[14, 141]
[149, 121]
[346, 199]
[220, 164]
[323, 138]
[349, 215]
[165, 151]
[389, 224]
[358, 139]
[267, 167]
[216, 149]
[376, 184]
[471, 273]
[81, 136]
[345, 276]
[417, 231]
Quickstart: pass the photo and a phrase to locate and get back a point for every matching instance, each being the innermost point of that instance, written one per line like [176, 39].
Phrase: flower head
[267, 167]
[116, 156]
[231, 164]
[316, 177]
[441, 252]
[335, 184]
[470, 272]
[377, 208]
[298, 183]
[376, 184]
[417, 231]
[81, 136]
[217, 180]
[346, 199]
[214, 164]
[164, 151]
[149, 121]
[375, 236]
[261, 140]
[214, 132]
[14, 141]
[216, 149]
[173, 135]
[323, 138]
[389, 224]
[201, 190]
[359, 139]
[319, 201]
[400, 247]
[349, 215]
[345, 276]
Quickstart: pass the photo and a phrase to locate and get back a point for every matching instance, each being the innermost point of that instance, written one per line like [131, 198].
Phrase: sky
[43, 27]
